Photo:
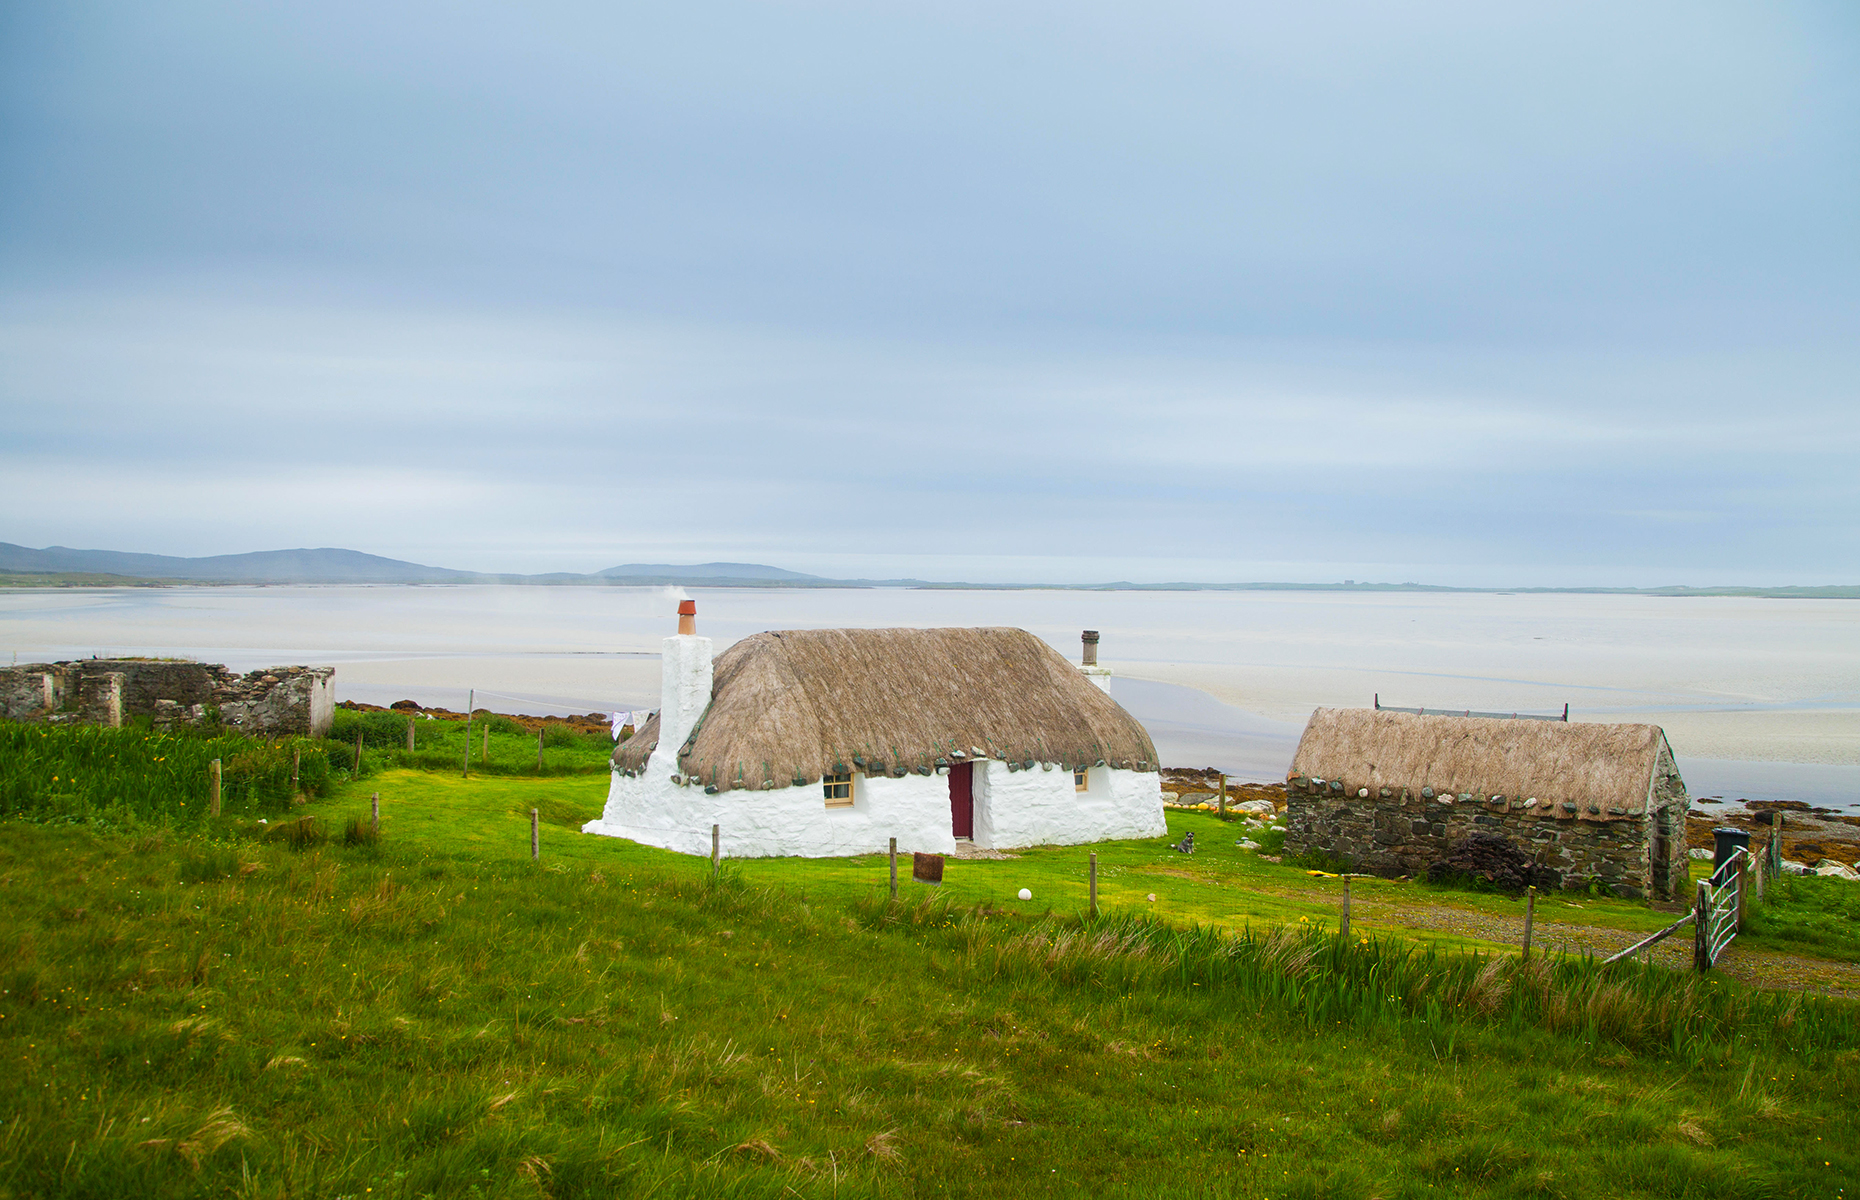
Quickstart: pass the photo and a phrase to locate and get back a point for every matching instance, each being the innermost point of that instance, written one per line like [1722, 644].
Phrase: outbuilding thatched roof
[787, 708]
[1549, 768]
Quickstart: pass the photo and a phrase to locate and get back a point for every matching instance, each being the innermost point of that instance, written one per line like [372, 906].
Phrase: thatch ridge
[1598, 772]
[788, 707]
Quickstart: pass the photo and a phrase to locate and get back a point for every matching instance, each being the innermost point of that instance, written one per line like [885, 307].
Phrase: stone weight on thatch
[1496, 861]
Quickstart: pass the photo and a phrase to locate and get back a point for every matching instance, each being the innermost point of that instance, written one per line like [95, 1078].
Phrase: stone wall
[299, 700]
[1403, 833]
[27, 692]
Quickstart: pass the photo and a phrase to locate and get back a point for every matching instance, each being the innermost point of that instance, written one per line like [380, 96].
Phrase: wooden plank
[1645, 942]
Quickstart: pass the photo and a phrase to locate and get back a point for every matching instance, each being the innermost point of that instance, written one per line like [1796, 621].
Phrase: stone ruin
[103, 691]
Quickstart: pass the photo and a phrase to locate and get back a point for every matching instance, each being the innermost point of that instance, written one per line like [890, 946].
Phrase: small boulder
[1836, 870]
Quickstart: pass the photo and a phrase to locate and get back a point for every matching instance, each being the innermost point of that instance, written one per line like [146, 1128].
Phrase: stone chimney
[1100, 676]
[684, 683]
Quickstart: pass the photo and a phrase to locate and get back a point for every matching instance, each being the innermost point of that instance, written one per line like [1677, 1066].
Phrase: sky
[1525, 294]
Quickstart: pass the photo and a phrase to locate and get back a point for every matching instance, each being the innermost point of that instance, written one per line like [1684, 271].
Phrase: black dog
[1186, 845]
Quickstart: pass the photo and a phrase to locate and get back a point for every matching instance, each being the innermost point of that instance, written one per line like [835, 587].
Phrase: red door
[962, 800]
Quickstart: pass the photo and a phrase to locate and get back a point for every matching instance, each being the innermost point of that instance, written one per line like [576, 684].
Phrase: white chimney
[1089, 660]
[684, 681]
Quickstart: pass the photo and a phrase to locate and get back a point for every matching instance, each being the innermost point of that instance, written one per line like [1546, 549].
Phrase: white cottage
[828, 742]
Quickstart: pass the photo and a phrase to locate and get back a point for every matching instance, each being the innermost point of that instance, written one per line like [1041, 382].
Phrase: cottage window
[837, 789]
[1080, 778]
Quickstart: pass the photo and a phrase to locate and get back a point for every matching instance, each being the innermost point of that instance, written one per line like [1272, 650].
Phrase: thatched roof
[1596, 772]
[788, 707]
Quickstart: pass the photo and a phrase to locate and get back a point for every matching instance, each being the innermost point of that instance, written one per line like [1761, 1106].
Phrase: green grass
[132, 777]
[1808, 912]
[1220, 885]
[439, 746]
[228, 1010]
[189, 1017]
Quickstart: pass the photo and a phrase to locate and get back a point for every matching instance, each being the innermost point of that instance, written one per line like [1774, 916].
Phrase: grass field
[499, 745]
[206, 1013]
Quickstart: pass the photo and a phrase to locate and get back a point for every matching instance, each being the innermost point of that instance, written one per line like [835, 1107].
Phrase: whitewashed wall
[1012, 808]
[789, 821]
[1040, 808]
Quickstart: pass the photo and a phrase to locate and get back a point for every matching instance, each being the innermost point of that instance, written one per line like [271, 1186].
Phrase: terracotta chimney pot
[687, 617]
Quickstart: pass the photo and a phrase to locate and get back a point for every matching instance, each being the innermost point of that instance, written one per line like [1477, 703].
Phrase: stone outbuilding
[105, 691]
[1394, 792]
[827, 742]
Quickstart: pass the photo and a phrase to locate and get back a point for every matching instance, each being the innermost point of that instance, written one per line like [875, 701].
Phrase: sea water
[1759, 697]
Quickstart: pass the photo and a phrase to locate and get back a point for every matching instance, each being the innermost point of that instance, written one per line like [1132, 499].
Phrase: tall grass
[183, 1017]
[1812, 910]
[129, 776]
[440, 745]
[1395, 987]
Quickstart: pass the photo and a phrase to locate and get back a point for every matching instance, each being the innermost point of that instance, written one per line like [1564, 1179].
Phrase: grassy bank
[133, 777]
[193, 1016]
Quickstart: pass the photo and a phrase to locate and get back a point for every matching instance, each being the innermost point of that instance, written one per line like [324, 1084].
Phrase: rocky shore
[579, 723]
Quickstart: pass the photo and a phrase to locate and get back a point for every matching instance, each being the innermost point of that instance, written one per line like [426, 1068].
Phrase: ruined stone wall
[298, 700]
[280, 700]
[1402, 833]
[27, 692]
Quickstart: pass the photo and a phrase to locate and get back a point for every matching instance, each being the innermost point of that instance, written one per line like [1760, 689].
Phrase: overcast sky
[1457, 292]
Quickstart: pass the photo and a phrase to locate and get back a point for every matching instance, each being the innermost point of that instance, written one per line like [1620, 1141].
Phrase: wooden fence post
[471, 697]
[1094, 885]
[894, 868]
[297, 758]
[1743, 889]
[1343, 923]
[374, 804]
[539, 741]
[1701, 929]
[213, 788]
[358, 753]
[1530, 911]
[410, 721]
[535, 838]
[716, 850]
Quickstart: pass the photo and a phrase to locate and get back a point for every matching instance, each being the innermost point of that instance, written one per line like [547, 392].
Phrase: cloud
[970, 289]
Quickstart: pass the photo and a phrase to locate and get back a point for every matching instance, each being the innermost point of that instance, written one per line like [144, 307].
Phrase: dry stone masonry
[1393, 794]
[104, 691]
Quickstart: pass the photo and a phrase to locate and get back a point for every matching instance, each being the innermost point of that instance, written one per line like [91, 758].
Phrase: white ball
[1025, 894]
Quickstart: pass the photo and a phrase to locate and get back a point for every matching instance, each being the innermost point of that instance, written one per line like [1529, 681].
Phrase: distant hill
[633, 571]
[331, 565]
[60, 566]
[326, 565]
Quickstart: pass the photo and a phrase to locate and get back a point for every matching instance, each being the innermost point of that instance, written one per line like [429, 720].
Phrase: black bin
[1725, 843]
